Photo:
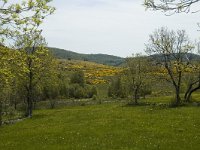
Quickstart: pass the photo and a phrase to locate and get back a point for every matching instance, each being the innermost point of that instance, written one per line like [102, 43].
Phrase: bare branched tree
[171, 6]
[137, 70]
[172, 49]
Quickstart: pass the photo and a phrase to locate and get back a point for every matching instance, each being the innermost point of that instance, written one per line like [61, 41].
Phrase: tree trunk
[1, 107]
[29, 105]
[187, 93]
[15, 104]
[30, 91]
[188, 98]
[136, 96]
[190, 90]
[29, 102]
[178, 98]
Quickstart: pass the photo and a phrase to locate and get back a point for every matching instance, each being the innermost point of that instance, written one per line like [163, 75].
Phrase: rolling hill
[98, 58]
[106, 59]
[186, 57]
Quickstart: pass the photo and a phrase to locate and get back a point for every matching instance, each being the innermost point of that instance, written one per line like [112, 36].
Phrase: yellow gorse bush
[94, 73]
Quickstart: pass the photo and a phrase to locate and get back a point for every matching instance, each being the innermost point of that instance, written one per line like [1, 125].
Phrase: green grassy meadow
[106, 126]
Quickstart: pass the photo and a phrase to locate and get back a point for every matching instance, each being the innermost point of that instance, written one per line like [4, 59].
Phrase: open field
[106, 126]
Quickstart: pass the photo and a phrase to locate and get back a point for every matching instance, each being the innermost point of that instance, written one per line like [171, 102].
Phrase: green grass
[106, 127]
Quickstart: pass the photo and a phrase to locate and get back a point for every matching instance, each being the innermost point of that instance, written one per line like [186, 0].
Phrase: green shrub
[79, 92]
[94, 98]
[145, 91]
[78, 78]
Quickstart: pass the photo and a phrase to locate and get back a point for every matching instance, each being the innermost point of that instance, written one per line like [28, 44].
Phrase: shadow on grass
[161, 105]
[150, 105]
[132, 104]
[38, 116]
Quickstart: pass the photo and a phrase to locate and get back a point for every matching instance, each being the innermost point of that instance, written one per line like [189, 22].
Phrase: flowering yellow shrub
[94, 73]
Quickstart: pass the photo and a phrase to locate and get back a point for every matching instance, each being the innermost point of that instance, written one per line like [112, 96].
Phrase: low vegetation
[106, 126]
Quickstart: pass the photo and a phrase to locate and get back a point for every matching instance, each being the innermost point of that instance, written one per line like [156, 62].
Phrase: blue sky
[116, 27]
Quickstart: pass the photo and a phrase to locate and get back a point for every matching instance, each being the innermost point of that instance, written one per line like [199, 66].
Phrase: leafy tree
[9, 70]
[37, 64]
[50, 83]
[1, 110]
[145, 90]
[78, 78]
[19, 28]
[90, 91]
[117, 88]
[16, 18]
[137, 70]
[173, 49]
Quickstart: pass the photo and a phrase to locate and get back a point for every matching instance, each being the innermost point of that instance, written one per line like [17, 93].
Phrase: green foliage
[78, 78]
[27, 64]
[10, 70]
[145, 90]
[93, 91]
[51, 92]
[138, 75]
[18, 18]
[1, 111]
[117, 88]
[79, 92]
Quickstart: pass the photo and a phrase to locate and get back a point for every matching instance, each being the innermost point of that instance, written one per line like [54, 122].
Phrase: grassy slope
[94, 73]
[107, 126]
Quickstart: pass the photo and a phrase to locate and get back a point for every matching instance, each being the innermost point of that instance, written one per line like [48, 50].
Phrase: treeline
[32, 75]
[98, 58]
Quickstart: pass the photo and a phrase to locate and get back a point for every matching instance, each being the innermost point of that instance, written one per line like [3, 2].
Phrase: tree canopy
[18, 18]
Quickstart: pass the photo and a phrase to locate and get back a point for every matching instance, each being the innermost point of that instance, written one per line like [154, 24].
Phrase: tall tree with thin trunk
[137, 70]
[171, 49]
[37, 63]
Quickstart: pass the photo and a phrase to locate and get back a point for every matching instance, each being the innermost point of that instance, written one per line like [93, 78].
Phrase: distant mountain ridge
[98, 58]
[186, 57]
[106, 59]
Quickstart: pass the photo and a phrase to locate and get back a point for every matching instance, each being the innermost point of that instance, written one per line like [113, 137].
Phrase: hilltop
[98, 58]
[104, 58]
